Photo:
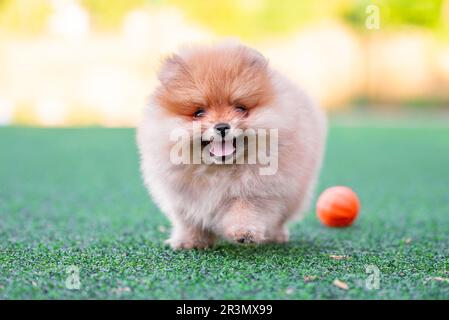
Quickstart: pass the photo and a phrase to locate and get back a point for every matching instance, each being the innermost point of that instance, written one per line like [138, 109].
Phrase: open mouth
[222, 149]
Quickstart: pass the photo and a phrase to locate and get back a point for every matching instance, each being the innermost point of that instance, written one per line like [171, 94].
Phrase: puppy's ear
[256, 59]
[172, 66]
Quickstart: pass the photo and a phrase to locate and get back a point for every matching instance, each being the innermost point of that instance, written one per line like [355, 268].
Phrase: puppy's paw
[280, 237]
[188, 244]
[246, 234]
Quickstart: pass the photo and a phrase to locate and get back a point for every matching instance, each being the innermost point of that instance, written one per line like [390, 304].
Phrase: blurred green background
[78, 62]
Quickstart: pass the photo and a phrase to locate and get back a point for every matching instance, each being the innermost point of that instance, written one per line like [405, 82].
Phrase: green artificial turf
[75, 197]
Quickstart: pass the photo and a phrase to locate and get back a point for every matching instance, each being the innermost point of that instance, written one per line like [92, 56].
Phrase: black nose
[221, 128]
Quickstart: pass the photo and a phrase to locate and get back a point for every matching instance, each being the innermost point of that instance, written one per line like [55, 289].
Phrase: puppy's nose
[221, 128]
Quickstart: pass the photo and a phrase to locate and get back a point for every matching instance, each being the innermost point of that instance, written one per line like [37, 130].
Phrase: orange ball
[338, 207]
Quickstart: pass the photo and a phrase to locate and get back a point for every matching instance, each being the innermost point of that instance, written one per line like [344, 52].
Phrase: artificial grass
[75, 197]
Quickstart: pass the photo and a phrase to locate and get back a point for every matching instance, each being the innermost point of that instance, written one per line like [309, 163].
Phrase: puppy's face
[219, 89]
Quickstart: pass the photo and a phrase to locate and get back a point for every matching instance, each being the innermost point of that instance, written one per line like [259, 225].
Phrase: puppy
[213, 96]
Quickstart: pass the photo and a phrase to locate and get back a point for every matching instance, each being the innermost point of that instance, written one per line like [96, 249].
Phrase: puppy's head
[218, 88]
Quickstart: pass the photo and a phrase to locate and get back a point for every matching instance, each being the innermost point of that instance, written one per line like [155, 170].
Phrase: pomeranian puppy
[229, 147]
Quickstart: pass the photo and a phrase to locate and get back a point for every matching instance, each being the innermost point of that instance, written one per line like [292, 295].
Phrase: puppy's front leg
[185, 236]
[244, 223]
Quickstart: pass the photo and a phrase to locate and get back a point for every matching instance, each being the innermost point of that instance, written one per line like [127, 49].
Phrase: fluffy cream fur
[235, 201]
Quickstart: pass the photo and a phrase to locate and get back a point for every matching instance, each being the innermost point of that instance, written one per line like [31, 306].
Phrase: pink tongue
[222, 148]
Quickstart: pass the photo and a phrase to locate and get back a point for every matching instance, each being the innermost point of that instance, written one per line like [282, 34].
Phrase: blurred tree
[397, 13]
[248, 19]
[258, 18]
[261, 18]
[107, 14]
[24, 16]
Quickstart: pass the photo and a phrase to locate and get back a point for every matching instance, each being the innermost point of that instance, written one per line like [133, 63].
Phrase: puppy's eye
[199, 113]
[241, 108]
